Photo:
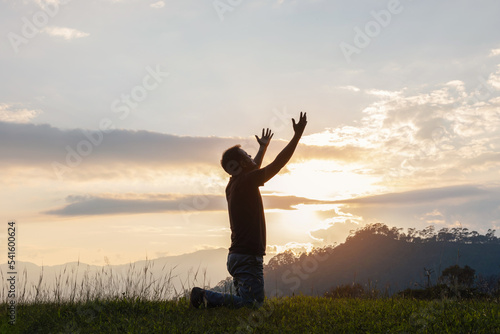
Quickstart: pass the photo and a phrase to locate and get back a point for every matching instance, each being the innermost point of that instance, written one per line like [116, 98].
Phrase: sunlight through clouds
[407, 132]
[295, 247]
[323, 179]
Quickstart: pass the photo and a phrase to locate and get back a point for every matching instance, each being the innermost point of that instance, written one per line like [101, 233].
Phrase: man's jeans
[248, 280]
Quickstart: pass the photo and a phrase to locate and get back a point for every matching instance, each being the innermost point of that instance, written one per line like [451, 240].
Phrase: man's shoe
[197, 297]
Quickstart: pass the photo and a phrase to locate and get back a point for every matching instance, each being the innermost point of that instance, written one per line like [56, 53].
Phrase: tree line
[428, 234]
[413, 235]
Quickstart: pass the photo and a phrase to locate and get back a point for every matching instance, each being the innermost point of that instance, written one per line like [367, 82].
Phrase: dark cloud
[288, 202]
[89, 206]
[472, 206]
[44, 144]
[101, 205]
[88, 154]
[421, 196]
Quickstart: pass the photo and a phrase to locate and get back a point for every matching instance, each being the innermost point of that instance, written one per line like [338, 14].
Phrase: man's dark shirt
[246, 213]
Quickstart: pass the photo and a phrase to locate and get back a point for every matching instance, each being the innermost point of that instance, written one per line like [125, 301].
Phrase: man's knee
[250, 288]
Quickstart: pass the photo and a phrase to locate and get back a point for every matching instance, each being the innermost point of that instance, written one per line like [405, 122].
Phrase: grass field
[138, 302]
[299, 314]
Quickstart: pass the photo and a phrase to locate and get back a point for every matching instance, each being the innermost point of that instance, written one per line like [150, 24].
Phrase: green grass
[298, 314]
[139, 302]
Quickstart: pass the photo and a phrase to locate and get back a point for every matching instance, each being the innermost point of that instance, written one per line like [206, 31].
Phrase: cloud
[288, 202]
[494, 52]
[350, 88]
[413, 137]
[295, 247]
[79, 205]
[494, 79]
[433, 195]
[337, 232]
[11, 113]
[93, 205]
[80, 153]
[476, 206]
[383, 93]
[406, 138]
[43, 144]
[472, 206]
[157, 5]
[66, 33]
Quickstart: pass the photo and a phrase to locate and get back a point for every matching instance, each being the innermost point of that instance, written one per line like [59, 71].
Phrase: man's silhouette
[248, 225]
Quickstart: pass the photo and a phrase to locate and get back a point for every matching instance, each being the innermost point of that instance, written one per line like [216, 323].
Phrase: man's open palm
[301, 125]
[265, 138]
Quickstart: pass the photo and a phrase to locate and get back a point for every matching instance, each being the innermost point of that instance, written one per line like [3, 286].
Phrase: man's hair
[231, 160]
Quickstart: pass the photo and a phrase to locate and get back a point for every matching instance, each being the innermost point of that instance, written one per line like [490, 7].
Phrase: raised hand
[301, 125]
[265, 138]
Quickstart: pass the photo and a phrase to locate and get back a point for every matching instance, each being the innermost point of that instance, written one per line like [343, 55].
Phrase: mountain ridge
[380, 262]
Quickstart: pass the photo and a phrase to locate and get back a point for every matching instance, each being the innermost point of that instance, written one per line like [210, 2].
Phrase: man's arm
[263, 142]
[284, 156]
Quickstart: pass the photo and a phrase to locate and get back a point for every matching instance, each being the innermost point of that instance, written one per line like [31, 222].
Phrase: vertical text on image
[12, 272]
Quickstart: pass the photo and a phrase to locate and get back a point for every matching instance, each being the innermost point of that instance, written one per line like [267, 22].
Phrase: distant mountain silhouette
[389, 261]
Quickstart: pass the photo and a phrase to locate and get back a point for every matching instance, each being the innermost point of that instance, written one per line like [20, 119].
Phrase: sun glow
[323, 180]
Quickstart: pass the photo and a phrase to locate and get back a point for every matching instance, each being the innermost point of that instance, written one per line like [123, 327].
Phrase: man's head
[235, 160]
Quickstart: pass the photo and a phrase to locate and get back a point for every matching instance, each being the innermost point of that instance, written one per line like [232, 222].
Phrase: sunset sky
[114, 115]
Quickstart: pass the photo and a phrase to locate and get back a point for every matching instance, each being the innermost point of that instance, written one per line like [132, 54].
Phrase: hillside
[379, 261]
